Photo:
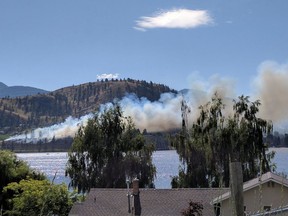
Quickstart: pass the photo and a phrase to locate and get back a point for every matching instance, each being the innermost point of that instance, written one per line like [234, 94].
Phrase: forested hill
[21, 113]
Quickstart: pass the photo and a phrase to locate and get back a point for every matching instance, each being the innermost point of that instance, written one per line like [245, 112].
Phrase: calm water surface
[53, 165]
[166, 162]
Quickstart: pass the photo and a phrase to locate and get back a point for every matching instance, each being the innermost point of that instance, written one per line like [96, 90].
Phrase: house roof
[153, 201]
[269, 176]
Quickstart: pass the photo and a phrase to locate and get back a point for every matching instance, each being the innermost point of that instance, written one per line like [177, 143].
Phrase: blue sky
[181, 43]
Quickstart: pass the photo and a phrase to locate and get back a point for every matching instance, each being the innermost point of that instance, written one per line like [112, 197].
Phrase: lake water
[166, 162]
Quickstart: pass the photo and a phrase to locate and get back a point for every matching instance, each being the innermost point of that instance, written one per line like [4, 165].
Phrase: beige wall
[274, 196]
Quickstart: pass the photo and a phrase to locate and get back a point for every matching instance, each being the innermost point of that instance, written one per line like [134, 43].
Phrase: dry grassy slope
[27, 112]
[87, 97]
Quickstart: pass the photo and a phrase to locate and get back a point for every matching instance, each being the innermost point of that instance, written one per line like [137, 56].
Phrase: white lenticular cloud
[176, 18]
[107, 76]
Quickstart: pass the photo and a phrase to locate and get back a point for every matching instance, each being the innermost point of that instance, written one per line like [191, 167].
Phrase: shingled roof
[154, 202]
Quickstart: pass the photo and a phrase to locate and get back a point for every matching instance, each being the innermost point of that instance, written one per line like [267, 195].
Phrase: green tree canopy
[108, 151]
[37, 197]
[13, 170]
[206, 148]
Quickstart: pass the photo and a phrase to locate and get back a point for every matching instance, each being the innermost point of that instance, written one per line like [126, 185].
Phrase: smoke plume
[157, 116]
[271, 86]
[160, 115]
[68, 128]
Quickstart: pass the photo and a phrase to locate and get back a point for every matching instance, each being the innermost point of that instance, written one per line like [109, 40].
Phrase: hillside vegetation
[22, 113]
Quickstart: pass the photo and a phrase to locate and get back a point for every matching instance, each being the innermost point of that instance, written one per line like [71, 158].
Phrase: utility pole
[236, 187]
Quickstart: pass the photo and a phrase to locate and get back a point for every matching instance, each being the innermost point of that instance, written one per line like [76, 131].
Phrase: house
[262, 196]
[160, 202]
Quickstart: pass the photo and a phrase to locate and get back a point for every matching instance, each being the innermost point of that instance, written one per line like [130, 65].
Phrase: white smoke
[165, 114]
[68, 128]
[271, 87]
[157, 116]
[160, 115]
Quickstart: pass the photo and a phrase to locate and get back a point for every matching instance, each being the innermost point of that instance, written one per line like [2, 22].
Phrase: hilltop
[18, 91]
[20, 114]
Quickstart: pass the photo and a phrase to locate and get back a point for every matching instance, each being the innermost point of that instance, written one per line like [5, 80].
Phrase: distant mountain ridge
[18, 91]
[2, 85]
[23, 113]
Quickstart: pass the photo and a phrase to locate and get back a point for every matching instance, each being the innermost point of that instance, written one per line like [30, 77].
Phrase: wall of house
[270, 194]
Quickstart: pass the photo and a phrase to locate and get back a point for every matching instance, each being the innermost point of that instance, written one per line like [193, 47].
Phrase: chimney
[136, 195]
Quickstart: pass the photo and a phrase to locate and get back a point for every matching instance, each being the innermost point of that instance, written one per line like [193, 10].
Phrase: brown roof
[154, 202]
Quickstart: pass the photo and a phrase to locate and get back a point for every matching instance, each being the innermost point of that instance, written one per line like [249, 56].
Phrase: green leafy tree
[214, 140]
[37, 197]
[108, 151]
[13, 170]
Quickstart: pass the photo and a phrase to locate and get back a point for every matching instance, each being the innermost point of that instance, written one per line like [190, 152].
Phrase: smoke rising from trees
[270, 87]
